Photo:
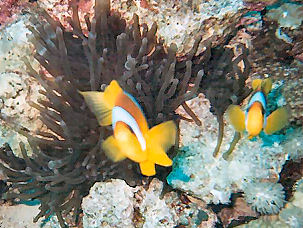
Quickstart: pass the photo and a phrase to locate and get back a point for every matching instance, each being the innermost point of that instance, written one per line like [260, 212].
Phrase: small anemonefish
[131, 136]
[253, 120]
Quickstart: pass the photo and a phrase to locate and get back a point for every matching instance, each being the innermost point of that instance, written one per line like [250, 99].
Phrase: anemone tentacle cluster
[67, 158]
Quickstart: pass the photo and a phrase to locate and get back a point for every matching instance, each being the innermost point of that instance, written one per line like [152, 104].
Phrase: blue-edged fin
[102, 103]
[98, 105]
[236, 117]
[147, 168]
[112, 149]
[276, 120]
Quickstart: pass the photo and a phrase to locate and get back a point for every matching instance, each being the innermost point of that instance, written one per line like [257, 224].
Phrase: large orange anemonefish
[131, 136]
[253, 120]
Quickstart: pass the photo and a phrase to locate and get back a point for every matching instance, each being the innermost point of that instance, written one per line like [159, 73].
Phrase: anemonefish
[131, 137]
[253, 120]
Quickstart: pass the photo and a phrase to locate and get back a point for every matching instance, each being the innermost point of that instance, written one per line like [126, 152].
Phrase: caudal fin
[102, 103]
[159, 139]
[236, 117]
[276, 120]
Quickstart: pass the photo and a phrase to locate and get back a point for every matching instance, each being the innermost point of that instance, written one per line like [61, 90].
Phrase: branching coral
[66, 158]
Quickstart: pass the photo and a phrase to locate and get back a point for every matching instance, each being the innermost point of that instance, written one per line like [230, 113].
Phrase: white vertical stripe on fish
[120, 114]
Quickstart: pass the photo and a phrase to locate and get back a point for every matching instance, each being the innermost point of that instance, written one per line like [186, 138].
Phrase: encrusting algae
[132, 138]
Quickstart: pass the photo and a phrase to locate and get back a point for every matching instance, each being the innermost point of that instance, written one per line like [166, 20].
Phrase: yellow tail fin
[159, 139]
[276, 120]
[112, 149]
[102, 103]
[236, 117]
[147, 168]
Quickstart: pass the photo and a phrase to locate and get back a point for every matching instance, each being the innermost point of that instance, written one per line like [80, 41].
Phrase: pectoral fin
[112, 149]
[129, 143]
[102, 103]
[276, 120]
[147, 168]
[236, 117]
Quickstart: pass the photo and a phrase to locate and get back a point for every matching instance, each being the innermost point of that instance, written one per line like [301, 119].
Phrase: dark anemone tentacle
[67, 159]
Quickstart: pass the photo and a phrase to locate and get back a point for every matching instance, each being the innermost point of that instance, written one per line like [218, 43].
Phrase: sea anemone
[224, 80]
[66, 159]
[265, 198]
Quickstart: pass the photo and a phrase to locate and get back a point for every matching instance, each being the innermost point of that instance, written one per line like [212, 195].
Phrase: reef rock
[115, 204]
[213, 180]
[17, 87]
[181, 21]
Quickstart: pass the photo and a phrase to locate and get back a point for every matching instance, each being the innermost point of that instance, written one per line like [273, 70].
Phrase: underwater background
[183, 60]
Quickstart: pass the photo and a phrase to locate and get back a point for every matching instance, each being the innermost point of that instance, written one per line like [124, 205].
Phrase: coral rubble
[109, 204]
[115, 204]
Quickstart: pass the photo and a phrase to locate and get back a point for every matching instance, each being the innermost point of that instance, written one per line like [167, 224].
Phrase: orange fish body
[131, 137]
[253, 120]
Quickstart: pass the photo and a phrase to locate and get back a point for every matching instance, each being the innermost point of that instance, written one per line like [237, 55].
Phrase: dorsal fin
[102, 103]
[266, 86]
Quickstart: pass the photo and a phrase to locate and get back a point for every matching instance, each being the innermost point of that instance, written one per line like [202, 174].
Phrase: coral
[115, 204]
[10, 9]
[17, 87]
[292, 91]
[109, 204]
[266, 198]
[155, 212]
[293, 147]
[287, 14]
[213, 180]
[289, 217]
[239, 212]
[18, 216]
[293, 216]
[181, 21]
[265, 223]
